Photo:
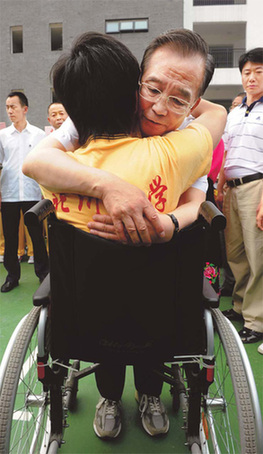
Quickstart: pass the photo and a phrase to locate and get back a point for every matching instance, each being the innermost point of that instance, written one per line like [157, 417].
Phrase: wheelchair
[173, 322]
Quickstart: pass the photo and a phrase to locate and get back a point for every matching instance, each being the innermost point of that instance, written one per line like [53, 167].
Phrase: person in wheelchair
[164, 167]
[127, 204]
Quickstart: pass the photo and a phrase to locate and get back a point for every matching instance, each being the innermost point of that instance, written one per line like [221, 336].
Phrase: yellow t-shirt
[163, 167]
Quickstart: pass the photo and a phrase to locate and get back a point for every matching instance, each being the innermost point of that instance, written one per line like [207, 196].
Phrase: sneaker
[1, 259]
[31, 259]
[107, 421]
[154, 417]
[260, 349]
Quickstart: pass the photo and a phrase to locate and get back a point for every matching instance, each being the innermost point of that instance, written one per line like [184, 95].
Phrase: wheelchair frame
[214, 390]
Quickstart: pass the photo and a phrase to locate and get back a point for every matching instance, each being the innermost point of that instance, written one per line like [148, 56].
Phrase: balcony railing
[226, 57]
[219, 2]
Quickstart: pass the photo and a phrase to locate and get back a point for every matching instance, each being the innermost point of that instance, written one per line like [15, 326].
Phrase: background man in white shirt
[18, 191]
[243, 201]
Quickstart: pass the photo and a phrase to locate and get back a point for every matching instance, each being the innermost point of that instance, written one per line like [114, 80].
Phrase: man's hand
[103, 227]
[131, 213]
[259, 217]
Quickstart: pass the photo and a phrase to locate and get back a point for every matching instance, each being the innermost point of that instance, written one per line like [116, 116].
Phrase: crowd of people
[163, 128]
[19, 193]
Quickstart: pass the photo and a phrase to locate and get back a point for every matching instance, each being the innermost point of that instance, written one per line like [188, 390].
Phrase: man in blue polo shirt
[243, 201]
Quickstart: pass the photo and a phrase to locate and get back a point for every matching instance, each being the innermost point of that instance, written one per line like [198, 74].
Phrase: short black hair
[52, 103]
[253, 55]
[97, 83]
[22, 97]
[186, 42]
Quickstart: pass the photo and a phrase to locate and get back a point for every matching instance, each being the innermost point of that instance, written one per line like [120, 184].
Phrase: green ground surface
[80, 437]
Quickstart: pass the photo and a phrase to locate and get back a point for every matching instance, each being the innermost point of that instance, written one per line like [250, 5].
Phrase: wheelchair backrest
[123, 304]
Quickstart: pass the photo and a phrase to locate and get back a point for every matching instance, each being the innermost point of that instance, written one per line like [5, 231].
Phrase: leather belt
[238, 181]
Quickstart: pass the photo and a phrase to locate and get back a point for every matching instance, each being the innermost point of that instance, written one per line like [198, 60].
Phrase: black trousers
[10, 219]
[110, 380]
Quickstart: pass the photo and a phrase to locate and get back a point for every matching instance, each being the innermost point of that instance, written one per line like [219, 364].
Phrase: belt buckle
[237, 182]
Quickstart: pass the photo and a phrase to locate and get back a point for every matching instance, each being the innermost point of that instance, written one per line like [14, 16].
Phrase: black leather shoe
[248, 336]
[8, 286]
[233, 315]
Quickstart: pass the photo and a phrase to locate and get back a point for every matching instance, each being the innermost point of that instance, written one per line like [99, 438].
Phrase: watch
[175, 222]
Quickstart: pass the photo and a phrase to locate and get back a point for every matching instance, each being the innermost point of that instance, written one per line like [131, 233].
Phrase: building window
[56, 36]
[141, 25]
[17, 39]
[127, 26]
[223, 56]
[219, 2]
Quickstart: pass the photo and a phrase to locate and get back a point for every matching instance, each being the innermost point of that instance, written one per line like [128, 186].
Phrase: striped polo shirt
[243, 138]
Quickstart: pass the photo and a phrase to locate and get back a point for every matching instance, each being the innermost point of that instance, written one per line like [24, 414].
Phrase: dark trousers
[10, 219]
[110, 381]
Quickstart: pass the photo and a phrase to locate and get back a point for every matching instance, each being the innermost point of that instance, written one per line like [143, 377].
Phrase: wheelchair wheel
[24, 403]
[228, 418]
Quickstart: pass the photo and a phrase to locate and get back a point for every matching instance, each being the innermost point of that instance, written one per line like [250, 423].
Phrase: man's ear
[195, 104]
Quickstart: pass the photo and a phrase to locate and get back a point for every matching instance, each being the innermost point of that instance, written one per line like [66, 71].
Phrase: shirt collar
[27, 128]
[249, 108]
[244, 101]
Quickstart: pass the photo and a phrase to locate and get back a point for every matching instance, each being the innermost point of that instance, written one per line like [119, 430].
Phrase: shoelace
[110, 407]
[154, 403]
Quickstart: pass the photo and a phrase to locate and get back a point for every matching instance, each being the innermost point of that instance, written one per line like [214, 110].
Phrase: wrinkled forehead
[170, 67]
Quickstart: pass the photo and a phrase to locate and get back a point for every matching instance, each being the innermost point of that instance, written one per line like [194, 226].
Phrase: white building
[230, 27]
[31, 43]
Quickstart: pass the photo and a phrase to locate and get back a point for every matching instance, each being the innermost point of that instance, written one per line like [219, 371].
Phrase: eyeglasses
[153, 94]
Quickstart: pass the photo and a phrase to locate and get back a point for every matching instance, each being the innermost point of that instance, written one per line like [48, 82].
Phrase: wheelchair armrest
[38, 212]
[41, 296]
[210, 297]
[212, 216]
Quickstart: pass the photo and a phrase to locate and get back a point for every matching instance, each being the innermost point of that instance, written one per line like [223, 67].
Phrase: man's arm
[259, 217]
[220, 185]
[128, 206]
[186, 213]
[213, 117]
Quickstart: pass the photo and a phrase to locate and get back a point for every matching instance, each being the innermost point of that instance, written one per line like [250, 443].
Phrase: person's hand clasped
[102, 226]
[131, 214]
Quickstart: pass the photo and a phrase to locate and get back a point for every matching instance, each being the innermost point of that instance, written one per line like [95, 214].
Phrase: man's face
[56, 115]
[173, 75]
[15, 111]
[236, 102]
[252, 80]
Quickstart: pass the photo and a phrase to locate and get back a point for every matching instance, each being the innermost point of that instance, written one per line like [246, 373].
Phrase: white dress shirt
[14, 146]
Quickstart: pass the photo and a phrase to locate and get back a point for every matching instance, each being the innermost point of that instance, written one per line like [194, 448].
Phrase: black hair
[52, 103]
[186, 42]
[22, 97]
[97, 84]
[253, 55]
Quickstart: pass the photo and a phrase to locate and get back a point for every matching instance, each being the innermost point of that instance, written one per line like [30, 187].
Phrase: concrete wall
[30, 70]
